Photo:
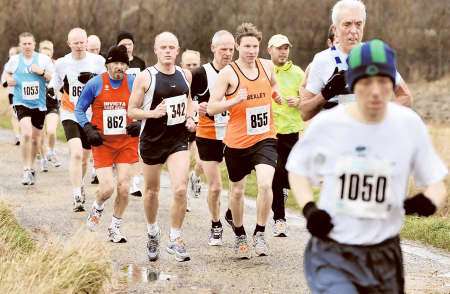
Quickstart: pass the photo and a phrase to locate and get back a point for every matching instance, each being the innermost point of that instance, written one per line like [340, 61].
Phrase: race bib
[30, 90]
[176, 109]
[133, 71]
[221, 119]
[114, 121]
[75, 88]
[196, 115]
[258, 119]
[346, 98]
[363, 187]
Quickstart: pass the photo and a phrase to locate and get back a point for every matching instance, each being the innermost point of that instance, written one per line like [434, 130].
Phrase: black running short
[37, 116]
[241, 162]
[158, 153]
[210, 149]
[191, 136]
[331, 267]
[73, 130]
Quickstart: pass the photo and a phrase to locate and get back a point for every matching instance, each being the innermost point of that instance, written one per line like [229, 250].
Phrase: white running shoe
[135, 186]
[44, 164]
[195, 188]
[27, 177]
[215, 237]
[83, 194]
[115, 235]
[241, 248]
[53, 159]
[78, 203]
[260, 244]
[279, 228]
[178, 248]
[94, 218]
[153, 246]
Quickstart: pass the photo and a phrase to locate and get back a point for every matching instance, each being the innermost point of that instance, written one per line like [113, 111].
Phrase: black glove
[419, 204]
[318, 221]
[85, 76]
[51, 93]
[134, 129]
[336, 85]
[5, 84]
[93, 135]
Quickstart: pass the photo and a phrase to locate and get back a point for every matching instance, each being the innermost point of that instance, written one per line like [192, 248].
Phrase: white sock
[115, 222]
[174, 234]
[152, 229]
[97, 206]
[76, 191]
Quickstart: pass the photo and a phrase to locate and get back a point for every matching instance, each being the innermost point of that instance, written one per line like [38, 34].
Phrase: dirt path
[45, 209]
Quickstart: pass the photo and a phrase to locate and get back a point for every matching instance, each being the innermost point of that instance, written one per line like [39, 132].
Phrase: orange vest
[109, 109]
[251, 120]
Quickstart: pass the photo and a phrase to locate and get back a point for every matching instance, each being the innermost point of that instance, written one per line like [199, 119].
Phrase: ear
[269, 50]
[237, 46]
[212, 48]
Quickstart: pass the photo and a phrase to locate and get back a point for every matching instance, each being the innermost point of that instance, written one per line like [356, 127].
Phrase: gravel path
[46, 210]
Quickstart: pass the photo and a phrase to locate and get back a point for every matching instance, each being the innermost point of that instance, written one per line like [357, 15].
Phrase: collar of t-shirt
[284, 67]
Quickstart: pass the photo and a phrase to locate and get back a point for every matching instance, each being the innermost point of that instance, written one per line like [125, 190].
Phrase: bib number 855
[259, 120]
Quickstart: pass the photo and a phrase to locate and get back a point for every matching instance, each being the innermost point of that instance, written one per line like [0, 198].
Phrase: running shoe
[178, 248]
[135, 186]
[285, 194]
[94, 218]
[83, 195]
[26, 177]
[195, 187]
[32, 176]
[17, 141]
[241, 248]
[78, 203]
[94, 179]
[115, 235]
[279, 228]
[53, 159]
[153, 246]
[215, 237]
[44, 164]
[260, 244]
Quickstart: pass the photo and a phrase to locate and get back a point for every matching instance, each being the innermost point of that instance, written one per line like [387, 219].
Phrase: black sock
[228, 214]
[259, 228]
[216, 224]
[239, 231]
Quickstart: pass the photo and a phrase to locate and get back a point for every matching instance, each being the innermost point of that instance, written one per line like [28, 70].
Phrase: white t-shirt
[44, 62]
[67, 66]
[365, 169]
[323, 66]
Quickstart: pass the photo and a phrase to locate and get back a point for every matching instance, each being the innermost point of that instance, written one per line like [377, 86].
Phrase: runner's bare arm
[437, 193]
[9, 79]
[216, 103]
[403, 95]
[268, 67]
[301, 188]
[140, 85]
[190, 124]
[310, 104]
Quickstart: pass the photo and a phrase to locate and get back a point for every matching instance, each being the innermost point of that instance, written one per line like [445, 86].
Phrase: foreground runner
[160, 98]
[365, 158]
[250, 136]
[28, 72]
[71, 74]
[326, 86]
[190, 60]
[211, 129]
[288, 124]
[108, 95]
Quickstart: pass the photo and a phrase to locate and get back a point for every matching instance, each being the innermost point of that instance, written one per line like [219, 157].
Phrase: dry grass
[80, 266]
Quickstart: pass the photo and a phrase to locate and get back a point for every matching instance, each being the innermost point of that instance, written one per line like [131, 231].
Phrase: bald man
[71, 74]
[161, 99]
[93, 44]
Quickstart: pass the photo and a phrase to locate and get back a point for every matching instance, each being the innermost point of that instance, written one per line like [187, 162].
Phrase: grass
[25, 266]
[433, 230]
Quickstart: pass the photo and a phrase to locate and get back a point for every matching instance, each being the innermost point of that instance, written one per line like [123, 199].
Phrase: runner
[51, 120]
[190, 60]
[250, 136]
[94, 45]
[108, 133]
[72, 73]
[136, 66]
[14, 122]
[365, 157]
[326, 86]
[161, 98]
[211, 129]
[28, 73]
[288, 124]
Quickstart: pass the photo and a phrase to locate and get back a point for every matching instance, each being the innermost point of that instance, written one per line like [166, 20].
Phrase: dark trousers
[285, 142]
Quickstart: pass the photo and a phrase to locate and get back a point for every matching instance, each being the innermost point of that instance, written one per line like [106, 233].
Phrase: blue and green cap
[370, 59]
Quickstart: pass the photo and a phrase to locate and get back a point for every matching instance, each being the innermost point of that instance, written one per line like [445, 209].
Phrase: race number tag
[133, 71]
[346, 98]
[30, 90]
[363, 187]
[176, 109]
[221, 119]
[196, 115]
[75, 88]
[114, 121]
[258, 119]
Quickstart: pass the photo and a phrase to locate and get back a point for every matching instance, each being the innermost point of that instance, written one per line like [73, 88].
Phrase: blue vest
[30, 87]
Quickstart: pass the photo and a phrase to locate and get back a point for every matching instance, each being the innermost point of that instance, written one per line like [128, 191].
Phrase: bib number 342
[176, 109]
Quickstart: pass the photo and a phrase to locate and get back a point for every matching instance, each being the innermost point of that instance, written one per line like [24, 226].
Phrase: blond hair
[25, 35]
[247, 29]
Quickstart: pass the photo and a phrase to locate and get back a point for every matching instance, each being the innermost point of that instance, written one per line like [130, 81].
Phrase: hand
[93, 135]
[202, 108]
[34, 68]
[190, 124]
[241, 95]
[293, 101]
[11, 82]
[277, 98]
[336, 85]
[134, 129]
[419, 204]
[159, 110]
[318, 221]
[85, 76]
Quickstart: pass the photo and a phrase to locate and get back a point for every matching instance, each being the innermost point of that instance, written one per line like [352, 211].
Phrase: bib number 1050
[363, 187]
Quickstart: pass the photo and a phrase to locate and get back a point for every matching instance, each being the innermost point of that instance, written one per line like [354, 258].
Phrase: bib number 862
[115, 122]
[258, 120]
